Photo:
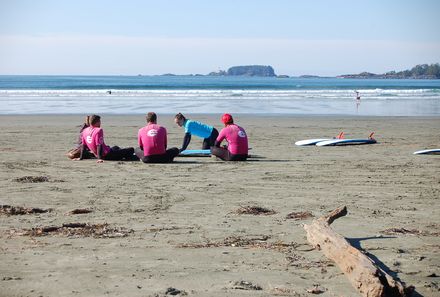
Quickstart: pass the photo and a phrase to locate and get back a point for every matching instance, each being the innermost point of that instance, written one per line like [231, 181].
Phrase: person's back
[236, 138]
[153, 143]
[153, 139]
[92, 137]
[237, 149]
[197, 128]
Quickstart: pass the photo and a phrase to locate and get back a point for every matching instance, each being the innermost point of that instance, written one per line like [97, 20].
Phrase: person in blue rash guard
[208, 133]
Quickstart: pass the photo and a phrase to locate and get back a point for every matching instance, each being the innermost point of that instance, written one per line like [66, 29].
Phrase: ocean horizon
[63, 94]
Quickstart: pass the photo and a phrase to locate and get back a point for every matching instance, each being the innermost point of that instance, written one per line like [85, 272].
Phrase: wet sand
[156, 227]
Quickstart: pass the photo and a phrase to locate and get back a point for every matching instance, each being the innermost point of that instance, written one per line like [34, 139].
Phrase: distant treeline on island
[423, 71]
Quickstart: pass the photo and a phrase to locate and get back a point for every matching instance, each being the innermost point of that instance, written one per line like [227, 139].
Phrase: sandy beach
[177, 229]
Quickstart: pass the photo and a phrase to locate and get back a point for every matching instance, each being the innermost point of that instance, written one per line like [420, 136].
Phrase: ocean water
[203, 94]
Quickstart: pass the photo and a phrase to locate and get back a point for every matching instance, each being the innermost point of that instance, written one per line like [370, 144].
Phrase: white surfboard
[428, 152]
[346, 142]
[310, 141]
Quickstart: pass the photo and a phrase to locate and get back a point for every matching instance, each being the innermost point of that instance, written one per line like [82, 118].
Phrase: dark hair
[87, 121]
[94, 119]
[180, 116]
[151, 117]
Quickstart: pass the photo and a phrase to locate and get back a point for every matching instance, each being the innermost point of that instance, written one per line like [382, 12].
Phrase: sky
[322, 37]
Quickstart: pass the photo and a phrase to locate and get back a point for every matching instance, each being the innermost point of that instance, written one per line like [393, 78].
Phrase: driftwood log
[363, 274]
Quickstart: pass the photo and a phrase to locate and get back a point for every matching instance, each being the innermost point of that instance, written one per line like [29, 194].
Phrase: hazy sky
[321, 37]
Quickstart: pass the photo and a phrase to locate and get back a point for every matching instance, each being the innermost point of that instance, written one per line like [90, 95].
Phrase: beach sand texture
[182, 225]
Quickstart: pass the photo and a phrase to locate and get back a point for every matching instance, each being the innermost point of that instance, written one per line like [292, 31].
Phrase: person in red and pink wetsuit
[236, 137]
[152, 141]
[93, 138]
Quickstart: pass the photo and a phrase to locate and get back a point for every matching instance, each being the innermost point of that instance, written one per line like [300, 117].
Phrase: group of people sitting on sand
[152, 140]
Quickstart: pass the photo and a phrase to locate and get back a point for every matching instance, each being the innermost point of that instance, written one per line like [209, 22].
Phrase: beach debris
[79, 211]
[395, 231]
[18, 210]
[300, 215]
[76, 229]
[241, 242]
[277, 291]
[254, 210]
[8, 278]
[245, 285]
[316, 290]
[32, 179]
[362, 272]
[173, 291]
[232, 241]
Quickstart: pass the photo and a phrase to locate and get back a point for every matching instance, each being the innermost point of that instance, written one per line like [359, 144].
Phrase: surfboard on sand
[202, 153]
[314, 141]
[310, 141]
[195, 153]
[428, 152]
[332, 142]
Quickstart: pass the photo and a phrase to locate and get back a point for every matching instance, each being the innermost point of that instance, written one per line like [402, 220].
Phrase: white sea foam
[316, 101]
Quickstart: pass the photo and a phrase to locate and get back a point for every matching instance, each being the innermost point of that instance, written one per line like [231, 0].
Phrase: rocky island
[251, 70]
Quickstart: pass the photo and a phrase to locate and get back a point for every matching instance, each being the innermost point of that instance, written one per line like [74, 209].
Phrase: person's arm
[99, 153]
[186, 141]
[220, 138]
[140, 141]
[166, 138]
[81, 155]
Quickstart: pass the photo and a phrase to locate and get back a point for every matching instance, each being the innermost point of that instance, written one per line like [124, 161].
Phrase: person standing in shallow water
[208, 133]
[93, 139]
[152, 141]
[236, 137]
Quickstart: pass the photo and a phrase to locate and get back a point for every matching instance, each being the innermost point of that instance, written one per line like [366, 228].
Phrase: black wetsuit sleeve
[99, 151]
[186, 141]
[217, 143]
[81, 154]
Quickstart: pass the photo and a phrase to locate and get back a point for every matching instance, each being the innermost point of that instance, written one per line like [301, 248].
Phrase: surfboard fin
[340, 136]
[371, 135]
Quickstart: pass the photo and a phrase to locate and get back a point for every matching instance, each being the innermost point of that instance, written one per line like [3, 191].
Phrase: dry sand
[177, 226]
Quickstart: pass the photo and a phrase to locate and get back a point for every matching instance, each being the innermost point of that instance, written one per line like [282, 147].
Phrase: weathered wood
[364, 275]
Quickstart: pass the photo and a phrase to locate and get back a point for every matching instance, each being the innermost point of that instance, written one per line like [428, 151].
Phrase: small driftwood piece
[364, 275]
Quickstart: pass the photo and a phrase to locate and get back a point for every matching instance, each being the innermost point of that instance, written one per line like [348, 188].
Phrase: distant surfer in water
[237, 149]
[208, 133]
[358, 100]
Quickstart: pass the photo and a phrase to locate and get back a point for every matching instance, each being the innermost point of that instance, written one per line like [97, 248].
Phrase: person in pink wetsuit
[236, 137]
[152, 141]
[93, 138]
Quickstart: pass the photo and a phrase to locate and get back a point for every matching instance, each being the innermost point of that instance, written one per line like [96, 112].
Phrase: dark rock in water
[252, 70]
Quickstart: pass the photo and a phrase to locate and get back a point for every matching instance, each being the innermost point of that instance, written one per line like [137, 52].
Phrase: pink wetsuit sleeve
[140, 139]
[221, 136]
[165, 136]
